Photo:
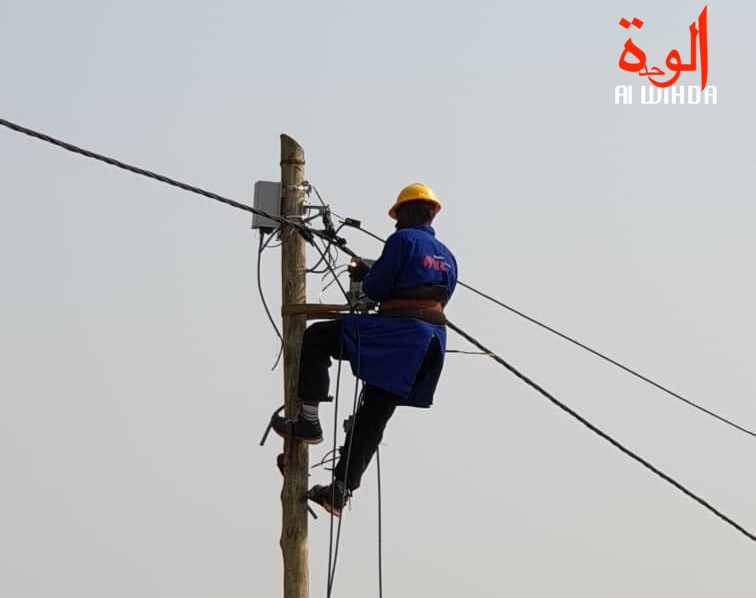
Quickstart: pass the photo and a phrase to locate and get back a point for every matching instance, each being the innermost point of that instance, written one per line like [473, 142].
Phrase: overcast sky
[136, 356]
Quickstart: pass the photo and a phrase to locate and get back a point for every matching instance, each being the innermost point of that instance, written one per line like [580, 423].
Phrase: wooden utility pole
[296, 457]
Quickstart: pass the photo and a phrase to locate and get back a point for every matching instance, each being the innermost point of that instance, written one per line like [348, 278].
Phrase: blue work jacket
[388, 352]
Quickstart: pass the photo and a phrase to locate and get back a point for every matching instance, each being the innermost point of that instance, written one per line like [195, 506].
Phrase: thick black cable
[333, 553]
[285, 221]
[585, 347]
[326, 255]
[333, 547]
[261, 248]
[608, 359]
[603, 434]
[333, 550]
[152, 175]
[331, 556]
[358, 398]
[380, 525]
[143, 172]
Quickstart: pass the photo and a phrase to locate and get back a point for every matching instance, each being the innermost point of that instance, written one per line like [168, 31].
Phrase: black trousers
[321, 344]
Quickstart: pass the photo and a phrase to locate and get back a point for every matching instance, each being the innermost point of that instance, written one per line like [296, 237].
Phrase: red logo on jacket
[435, 262]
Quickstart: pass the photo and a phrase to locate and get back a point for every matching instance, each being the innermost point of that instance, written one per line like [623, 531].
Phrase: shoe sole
[329, 508]
[310, 440]
[305, 440]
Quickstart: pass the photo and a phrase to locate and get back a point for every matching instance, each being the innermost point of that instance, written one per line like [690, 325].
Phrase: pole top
[291, 151]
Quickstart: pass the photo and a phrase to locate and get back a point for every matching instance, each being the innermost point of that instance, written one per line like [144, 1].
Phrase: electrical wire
[305, 231]
[358, 397]
[328, 256]
[577, 343]
[328, 458]
[334, 543]
[596, 430]
[648, 465]
[143, 172]
[614, 362]
[262, 247]
[331, 539]
[337, 270]
[333, 549]
[317, 193]
[332, 270]
[328, 259]
[380, 524]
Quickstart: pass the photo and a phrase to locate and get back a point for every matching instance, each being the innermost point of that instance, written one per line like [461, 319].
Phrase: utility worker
[398, 353]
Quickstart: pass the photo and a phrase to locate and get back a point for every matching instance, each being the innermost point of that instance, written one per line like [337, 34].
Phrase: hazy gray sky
[137, 358]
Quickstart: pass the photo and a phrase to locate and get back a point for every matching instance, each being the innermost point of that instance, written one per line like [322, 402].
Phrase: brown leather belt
[420, 309]
[391, 304]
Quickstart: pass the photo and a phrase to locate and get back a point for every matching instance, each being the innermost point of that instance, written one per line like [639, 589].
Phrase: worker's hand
[358, 269]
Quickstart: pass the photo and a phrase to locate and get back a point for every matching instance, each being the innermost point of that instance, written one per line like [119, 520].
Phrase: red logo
[698, 36]
[435, 263]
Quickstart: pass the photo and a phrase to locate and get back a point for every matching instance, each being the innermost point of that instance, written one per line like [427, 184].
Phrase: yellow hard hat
[416, 192]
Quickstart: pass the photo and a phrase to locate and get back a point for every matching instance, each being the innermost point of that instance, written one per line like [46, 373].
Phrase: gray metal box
[268, 199]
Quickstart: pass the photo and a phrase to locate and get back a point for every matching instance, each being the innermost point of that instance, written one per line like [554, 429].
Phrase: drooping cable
[309, 233]
[577, 343]
[334, 543]
[263, 245]
[358, 398]
[158, 177]
[331, 539]
[596, 430]
[614, 362]
[326, 255]
[380, 524]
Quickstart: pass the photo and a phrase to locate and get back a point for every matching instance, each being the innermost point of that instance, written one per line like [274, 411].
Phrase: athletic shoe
[306, 431]
[332, 497]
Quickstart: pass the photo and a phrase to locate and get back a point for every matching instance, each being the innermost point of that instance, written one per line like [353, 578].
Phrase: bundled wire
[301, 228]
[335, 535]
[359, 394]
[263, 245]
[356, 224]
[327, 265]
